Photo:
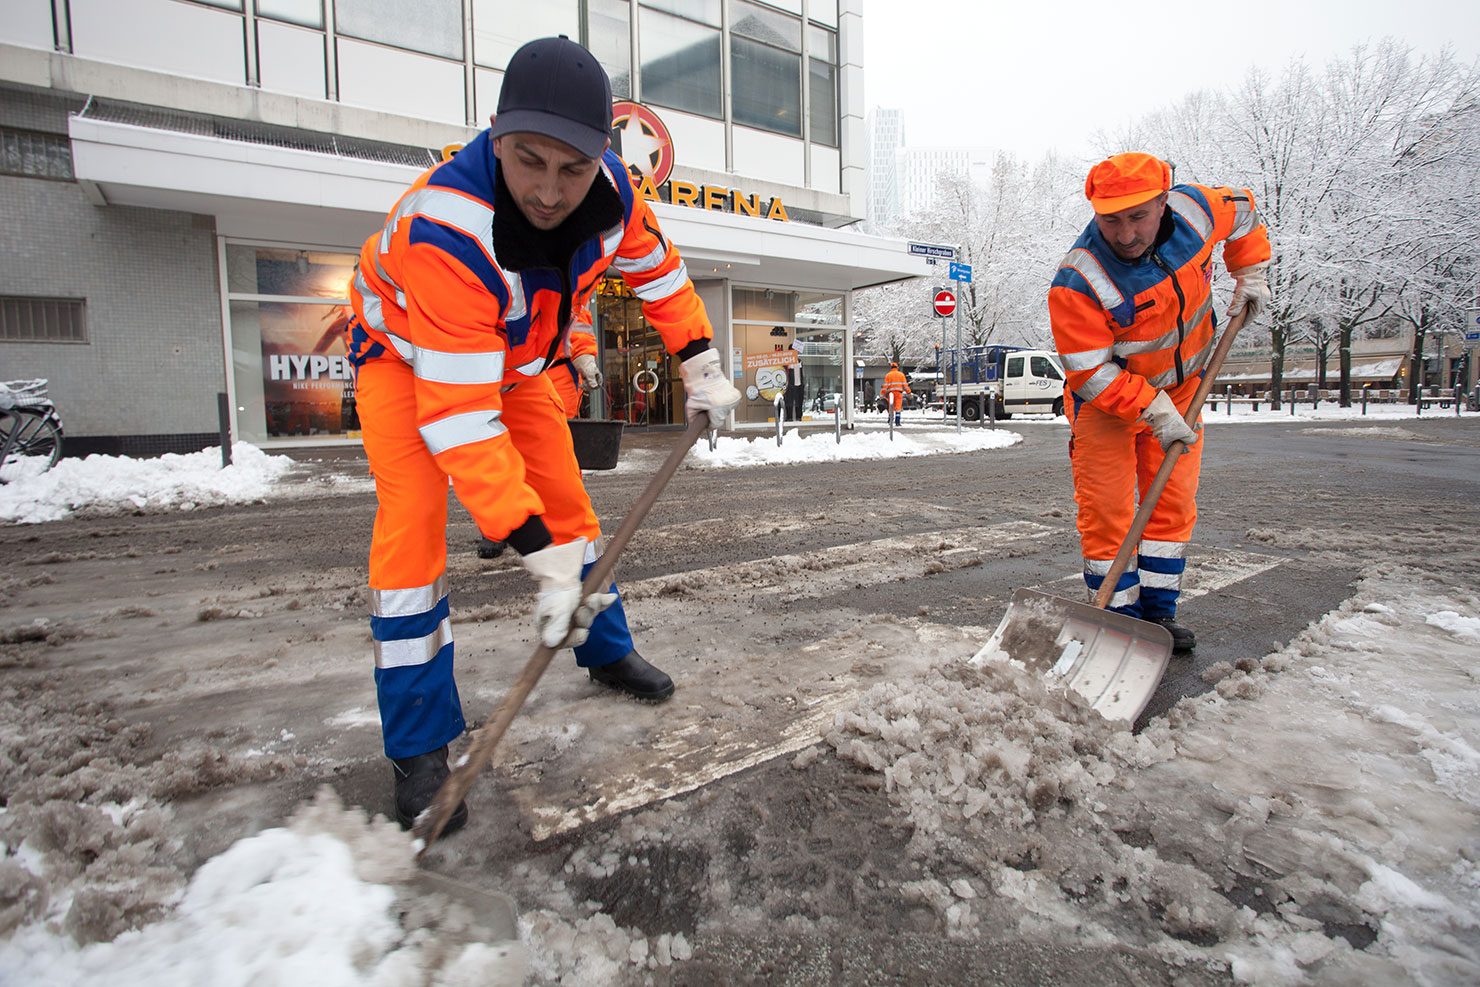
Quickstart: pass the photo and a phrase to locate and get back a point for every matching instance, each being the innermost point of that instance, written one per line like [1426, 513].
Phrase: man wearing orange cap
[1132, 315]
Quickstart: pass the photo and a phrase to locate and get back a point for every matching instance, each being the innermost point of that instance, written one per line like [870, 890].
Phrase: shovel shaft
[1152, 494]
[431, 823]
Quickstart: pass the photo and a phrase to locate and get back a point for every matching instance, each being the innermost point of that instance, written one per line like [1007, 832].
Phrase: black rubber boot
[490, 549]
[1183, 640]
[417, 781]
[635, 677]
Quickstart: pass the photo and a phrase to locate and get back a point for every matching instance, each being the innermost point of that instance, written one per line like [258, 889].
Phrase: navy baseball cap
[555, 87]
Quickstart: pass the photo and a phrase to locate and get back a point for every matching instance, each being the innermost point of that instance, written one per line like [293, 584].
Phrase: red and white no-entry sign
[945, 302]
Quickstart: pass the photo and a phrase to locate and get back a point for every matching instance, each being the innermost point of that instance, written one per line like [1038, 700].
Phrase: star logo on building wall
[642, 141]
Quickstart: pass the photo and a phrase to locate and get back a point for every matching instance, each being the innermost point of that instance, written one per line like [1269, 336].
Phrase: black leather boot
[417, 781]
[490, 549]
[1182, 639]
[635, 677]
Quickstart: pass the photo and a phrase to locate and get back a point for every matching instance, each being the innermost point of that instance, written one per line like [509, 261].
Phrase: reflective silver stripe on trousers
[1089, 268]
[407, 602]
[668, 284]
[441, 367]
[1187, 207]
[414, 651]
[464, 214]
[1245, 216]
[1098, 381]
[1120, 598]
[1161, 580]
[637, 265]
[1086, 359]
[1163, 549]
[460, 430]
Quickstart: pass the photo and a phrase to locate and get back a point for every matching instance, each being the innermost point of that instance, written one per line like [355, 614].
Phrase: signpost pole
[958, 366]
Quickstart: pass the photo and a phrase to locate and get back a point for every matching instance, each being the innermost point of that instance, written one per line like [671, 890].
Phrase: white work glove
[1167, 423]
[1250, 288]
[591, 377]
[707, 388]
[561, 618]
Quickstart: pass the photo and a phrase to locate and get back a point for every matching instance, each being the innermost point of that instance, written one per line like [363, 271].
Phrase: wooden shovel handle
[1152, 494]
[429, 824]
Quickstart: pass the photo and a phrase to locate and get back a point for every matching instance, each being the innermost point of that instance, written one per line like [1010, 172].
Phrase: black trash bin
[597, 443]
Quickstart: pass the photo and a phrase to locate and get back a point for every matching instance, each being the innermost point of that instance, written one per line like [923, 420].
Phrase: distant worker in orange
[896, 386]
[462, 301]
[1132, 315]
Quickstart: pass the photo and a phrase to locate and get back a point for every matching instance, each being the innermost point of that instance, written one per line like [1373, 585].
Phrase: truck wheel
[971, 411]
[1058, 407]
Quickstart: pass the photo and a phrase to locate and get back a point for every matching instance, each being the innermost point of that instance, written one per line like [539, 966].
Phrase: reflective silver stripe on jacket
[407, 602]
[1089, 268]
[1190, 366]
[466, 215]
[533, 367]
[612, 239]
[458, 368]
[1085, 359]
[413, 651]
[1245, 216]
[1098, 381]
[375, 313]
[1186, 207]
[460, 430]
[663, 287]
[637, 265]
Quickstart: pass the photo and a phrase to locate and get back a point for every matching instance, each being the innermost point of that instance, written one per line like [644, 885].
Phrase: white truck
[1002, 381]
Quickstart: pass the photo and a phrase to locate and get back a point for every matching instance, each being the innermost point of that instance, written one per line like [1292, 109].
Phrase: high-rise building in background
[885, 138]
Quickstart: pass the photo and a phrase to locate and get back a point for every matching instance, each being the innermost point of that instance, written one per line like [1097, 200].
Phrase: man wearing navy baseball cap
[462, 301]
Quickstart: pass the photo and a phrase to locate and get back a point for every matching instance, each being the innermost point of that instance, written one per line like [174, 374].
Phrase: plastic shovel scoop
[1113, 661]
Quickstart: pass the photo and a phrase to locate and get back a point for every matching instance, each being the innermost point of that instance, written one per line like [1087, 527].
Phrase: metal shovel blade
[1113, 661]
[461, 911]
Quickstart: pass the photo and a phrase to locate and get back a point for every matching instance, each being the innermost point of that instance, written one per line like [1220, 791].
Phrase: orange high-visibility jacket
[896, 386]
[459, 287]
[1126, 330]
[563, 373]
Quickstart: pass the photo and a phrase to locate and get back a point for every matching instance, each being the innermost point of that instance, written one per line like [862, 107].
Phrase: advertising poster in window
[307, 380]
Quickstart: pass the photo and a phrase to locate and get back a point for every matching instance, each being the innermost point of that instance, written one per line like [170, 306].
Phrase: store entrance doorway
[643, 386]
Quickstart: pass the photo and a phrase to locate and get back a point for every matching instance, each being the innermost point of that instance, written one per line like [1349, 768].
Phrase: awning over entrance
[276, 190]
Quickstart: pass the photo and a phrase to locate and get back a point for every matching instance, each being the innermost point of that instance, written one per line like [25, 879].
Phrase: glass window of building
[228, 4]
[681, 57]
[430, 26]
[309, 13]
[766, 68]
[608, 28]
[791, 348]
[823, 12]
[288, 310]
[822, 82]
[703, 11]
[500, 27]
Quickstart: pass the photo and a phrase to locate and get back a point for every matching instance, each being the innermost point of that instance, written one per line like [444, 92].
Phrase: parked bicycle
[30, 429]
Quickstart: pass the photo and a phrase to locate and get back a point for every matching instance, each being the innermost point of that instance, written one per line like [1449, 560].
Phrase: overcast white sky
[1027, 76]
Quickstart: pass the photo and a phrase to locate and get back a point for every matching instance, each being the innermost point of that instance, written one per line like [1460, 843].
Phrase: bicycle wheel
[33, 441]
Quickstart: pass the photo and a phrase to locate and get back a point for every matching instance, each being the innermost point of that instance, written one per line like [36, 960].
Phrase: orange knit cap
[1125, 180]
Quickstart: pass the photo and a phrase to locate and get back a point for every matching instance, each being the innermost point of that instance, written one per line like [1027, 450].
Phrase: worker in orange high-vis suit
[1132, 314]
[896, 386]
[462, 301]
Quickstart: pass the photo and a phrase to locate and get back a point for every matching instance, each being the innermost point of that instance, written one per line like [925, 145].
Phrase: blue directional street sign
[960, 272]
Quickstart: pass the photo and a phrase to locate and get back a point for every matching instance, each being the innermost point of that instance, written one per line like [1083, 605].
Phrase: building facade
[189, 182]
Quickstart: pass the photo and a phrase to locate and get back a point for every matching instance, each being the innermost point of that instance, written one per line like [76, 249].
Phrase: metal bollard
[838, 422]
[779, 398]
[1364, 399]
[223, 412]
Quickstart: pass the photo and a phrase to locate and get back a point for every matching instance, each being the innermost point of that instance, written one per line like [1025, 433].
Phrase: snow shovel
[430, 823]
[1113, 661]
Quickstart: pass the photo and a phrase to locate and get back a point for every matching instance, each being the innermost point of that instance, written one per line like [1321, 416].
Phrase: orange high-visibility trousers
[1112, 459]
[567, 380]
[410, 622]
